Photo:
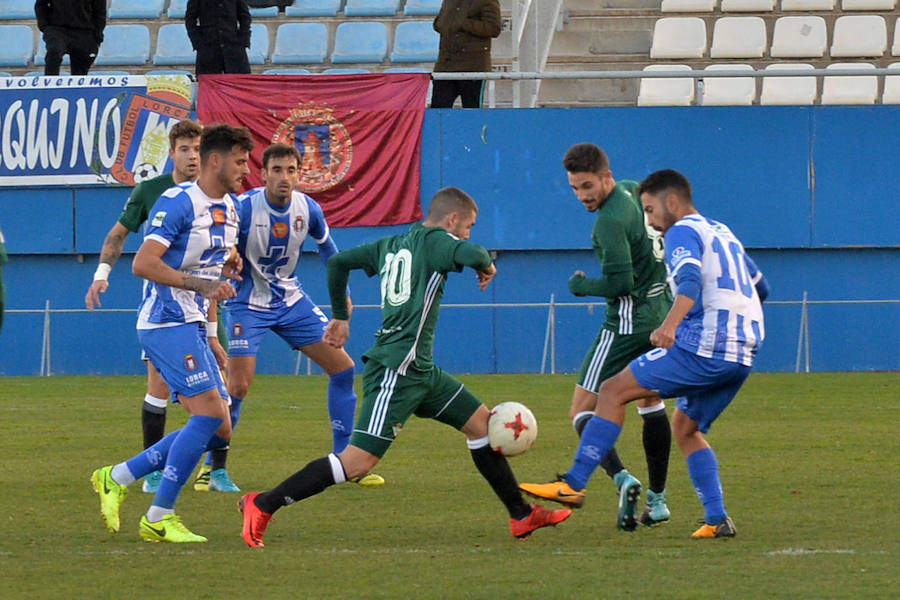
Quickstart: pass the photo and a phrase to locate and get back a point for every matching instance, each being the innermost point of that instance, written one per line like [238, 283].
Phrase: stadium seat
[429, 7]
[748, 5]
[16, 45]
[371, 8]
[16, 9]
[738, 37]
[40, 57]
[363, 41]
[728, 91]
[670, 91]
[313, 8]
[5, 74]
[850, 89]
[109, 73]
[135, 9]
[173, 47]
[413, 70]
[678, 37]
[259, 44]
[62, 73]
[344, 71]
[858, 36]
[177, 8]
[895, 48]
[415, 41]
[169, 72]
[300, 43]
[868, 4]
[286, 71]
[266, 12]
[799, 37]
[891, 94]
[124, 45]
[807, 5]
[788, 90]
[688, 5]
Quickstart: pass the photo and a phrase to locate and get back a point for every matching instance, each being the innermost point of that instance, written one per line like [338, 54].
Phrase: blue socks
[341, 408]
[152, 458]
[704, 471]
[184, 452]
[597, 439]
[235, 410]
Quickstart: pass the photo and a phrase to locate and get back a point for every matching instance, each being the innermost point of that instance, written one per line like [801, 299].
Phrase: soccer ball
[144, 172]
[512, 428]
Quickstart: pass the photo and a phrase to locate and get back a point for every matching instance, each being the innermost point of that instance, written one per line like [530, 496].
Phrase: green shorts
[610, 353]
[389, 399]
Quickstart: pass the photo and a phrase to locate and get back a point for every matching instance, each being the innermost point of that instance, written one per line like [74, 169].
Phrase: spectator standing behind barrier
[73, 27]
[466, 28]
[220, 33]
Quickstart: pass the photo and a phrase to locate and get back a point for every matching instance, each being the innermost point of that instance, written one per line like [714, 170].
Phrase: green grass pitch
[808, 465]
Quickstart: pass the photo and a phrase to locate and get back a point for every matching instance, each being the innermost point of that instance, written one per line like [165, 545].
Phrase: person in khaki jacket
[466, 28]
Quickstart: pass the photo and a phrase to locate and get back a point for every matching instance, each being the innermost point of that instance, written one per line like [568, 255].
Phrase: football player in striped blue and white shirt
[705, 347]
[185, 256]
[275, 221]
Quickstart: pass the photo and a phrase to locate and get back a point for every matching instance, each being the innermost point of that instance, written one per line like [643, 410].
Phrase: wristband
[102, 272]
[212, 329]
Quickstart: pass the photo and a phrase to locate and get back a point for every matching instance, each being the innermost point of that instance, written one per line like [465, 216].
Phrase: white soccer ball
[512, 428]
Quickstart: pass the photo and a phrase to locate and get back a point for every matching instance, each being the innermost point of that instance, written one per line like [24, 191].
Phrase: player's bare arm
[148, 264]
[664, 335]
[109, 254]
[212, 338]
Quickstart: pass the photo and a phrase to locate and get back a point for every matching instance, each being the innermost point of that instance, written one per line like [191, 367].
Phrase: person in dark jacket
[73, 27]
[220, 33]
[466, 28]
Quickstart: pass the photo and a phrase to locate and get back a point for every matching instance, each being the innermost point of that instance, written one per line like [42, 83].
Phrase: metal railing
[548, 355]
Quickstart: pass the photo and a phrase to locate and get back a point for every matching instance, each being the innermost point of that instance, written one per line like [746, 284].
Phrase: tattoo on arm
[201, 286]
[112, 248]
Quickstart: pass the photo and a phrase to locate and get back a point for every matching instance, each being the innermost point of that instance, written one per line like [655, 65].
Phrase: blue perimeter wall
[809, 190]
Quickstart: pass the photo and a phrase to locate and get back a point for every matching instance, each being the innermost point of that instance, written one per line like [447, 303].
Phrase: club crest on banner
[324, 144]
[144, 143]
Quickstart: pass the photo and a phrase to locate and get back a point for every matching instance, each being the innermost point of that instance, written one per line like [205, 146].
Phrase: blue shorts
[182, 356]
[703, 386]
[299, 325]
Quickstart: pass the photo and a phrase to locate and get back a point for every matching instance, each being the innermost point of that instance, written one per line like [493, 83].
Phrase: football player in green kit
[637, 296]
[400, 377]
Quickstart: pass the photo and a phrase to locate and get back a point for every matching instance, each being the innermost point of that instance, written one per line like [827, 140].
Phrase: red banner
[359, 136]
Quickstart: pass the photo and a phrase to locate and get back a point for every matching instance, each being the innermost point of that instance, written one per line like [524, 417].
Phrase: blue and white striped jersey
[198, 232]
[726, 322]
[270, 241]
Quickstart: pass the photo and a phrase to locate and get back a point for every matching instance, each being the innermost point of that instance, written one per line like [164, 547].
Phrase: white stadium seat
[895, 49]
[807, 4]
[796, 37]
[729, 91]
[868, 4]
[669, 91]
[859, 35]
[738, 37]
[891, 94]
[678, 37]
[788, 90]
[843, 89]
[688, 5]
[748, 5]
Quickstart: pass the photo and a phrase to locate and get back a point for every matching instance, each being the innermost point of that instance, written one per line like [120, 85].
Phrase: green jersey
[633, 261]
[413, 268]
[143, 197]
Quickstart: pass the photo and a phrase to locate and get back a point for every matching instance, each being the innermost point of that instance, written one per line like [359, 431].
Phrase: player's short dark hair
[450, 200]
[222, 138]
[280, 151]
[186, 128]
[666, 180]
[586, 158]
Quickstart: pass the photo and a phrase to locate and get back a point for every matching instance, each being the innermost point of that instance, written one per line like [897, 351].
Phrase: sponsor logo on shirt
[158, 219]
[218, 216]
[279, 229]
[679, 254]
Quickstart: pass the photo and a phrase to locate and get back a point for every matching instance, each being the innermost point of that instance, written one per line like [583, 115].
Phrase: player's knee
[237, 387]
